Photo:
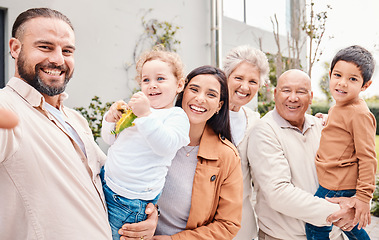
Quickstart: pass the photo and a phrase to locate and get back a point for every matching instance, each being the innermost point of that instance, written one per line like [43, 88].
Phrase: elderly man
[49, 163]
[282, 149]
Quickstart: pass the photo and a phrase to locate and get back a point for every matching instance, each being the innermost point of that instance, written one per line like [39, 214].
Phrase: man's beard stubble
[35, 81]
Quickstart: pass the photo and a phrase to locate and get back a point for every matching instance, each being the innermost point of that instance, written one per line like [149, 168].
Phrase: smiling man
[49, 163]
[281, 152]
[293, 96]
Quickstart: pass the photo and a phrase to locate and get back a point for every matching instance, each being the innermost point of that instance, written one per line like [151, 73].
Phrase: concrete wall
[107, 33]
[236, 33]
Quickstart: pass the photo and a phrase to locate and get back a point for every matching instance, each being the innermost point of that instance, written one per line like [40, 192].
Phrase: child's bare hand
[115, 111]
[140, 104]
[362, 213]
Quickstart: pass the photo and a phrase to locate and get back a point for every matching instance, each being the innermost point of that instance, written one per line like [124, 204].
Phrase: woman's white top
[249, 227]
[237, 125]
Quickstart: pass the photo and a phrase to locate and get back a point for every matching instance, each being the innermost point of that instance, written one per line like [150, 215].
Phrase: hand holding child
[140, 104]
[362, 213]
[142, 230]
[344, 218]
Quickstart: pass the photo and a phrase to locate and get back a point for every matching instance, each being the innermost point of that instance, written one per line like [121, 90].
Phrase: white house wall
[236, 33]
[107, 32]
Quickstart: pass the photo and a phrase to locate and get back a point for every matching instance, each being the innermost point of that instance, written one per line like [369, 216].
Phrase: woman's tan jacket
[216, 204]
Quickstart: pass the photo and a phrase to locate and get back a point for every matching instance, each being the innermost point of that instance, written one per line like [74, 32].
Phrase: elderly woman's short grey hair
[250, 55]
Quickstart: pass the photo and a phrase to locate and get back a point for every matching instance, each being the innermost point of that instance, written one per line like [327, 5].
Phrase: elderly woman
[246, 69]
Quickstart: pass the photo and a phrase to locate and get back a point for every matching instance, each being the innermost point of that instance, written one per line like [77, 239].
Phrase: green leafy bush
[265, 107]
[94, 114]
[319, 108]
[375, 201]
[374, 108]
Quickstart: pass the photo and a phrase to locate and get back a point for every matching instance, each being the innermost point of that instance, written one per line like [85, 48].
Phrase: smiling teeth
[52, 72]
[241, 94]
[198, 109]
[340, 91]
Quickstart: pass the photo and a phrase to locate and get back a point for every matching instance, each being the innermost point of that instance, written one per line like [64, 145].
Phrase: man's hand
[142, 230]
[344, 218]
[323, 117]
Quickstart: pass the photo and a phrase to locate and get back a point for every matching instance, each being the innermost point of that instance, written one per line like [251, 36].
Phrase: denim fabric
[122, 210]
[101, 174]
[318, 233]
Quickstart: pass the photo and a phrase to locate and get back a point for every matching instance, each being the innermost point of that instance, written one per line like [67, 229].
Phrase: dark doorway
[2, 50]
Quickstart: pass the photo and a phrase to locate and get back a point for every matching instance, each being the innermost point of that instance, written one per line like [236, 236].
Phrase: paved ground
[373, 228]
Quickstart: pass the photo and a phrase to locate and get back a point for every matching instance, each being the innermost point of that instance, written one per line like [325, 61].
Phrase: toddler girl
[139, 156]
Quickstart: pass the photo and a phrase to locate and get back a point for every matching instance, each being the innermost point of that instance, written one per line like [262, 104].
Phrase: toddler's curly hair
[157, 53]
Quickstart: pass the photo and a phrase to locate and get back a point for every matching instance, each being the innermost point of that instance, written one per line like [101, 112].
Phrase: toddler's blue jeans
[122, 210]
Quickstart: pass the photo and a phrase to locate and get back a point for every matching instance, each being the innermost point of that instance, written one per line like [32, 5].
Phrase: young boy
[346, 160]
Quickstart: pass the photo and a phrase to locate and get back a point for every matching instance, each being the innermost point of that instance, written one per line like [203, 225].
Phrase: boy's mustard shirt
[346, 158]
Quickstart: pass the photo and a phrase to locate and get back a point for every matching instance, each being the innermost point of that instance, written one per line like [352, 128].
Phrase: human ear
[15, 47]
[275, 91]
[220, 105]
[180, 85]
[310, 100]
[367, 84]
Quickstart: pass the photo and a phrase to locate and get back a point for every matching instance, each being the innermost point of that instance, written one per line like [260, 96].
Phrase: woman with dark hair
[202, 196]
[218, 122]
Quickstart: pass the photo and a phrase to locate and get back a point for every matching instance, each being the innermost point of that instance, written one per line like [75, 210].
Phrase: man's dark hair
[34, 13]
[359, 56]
